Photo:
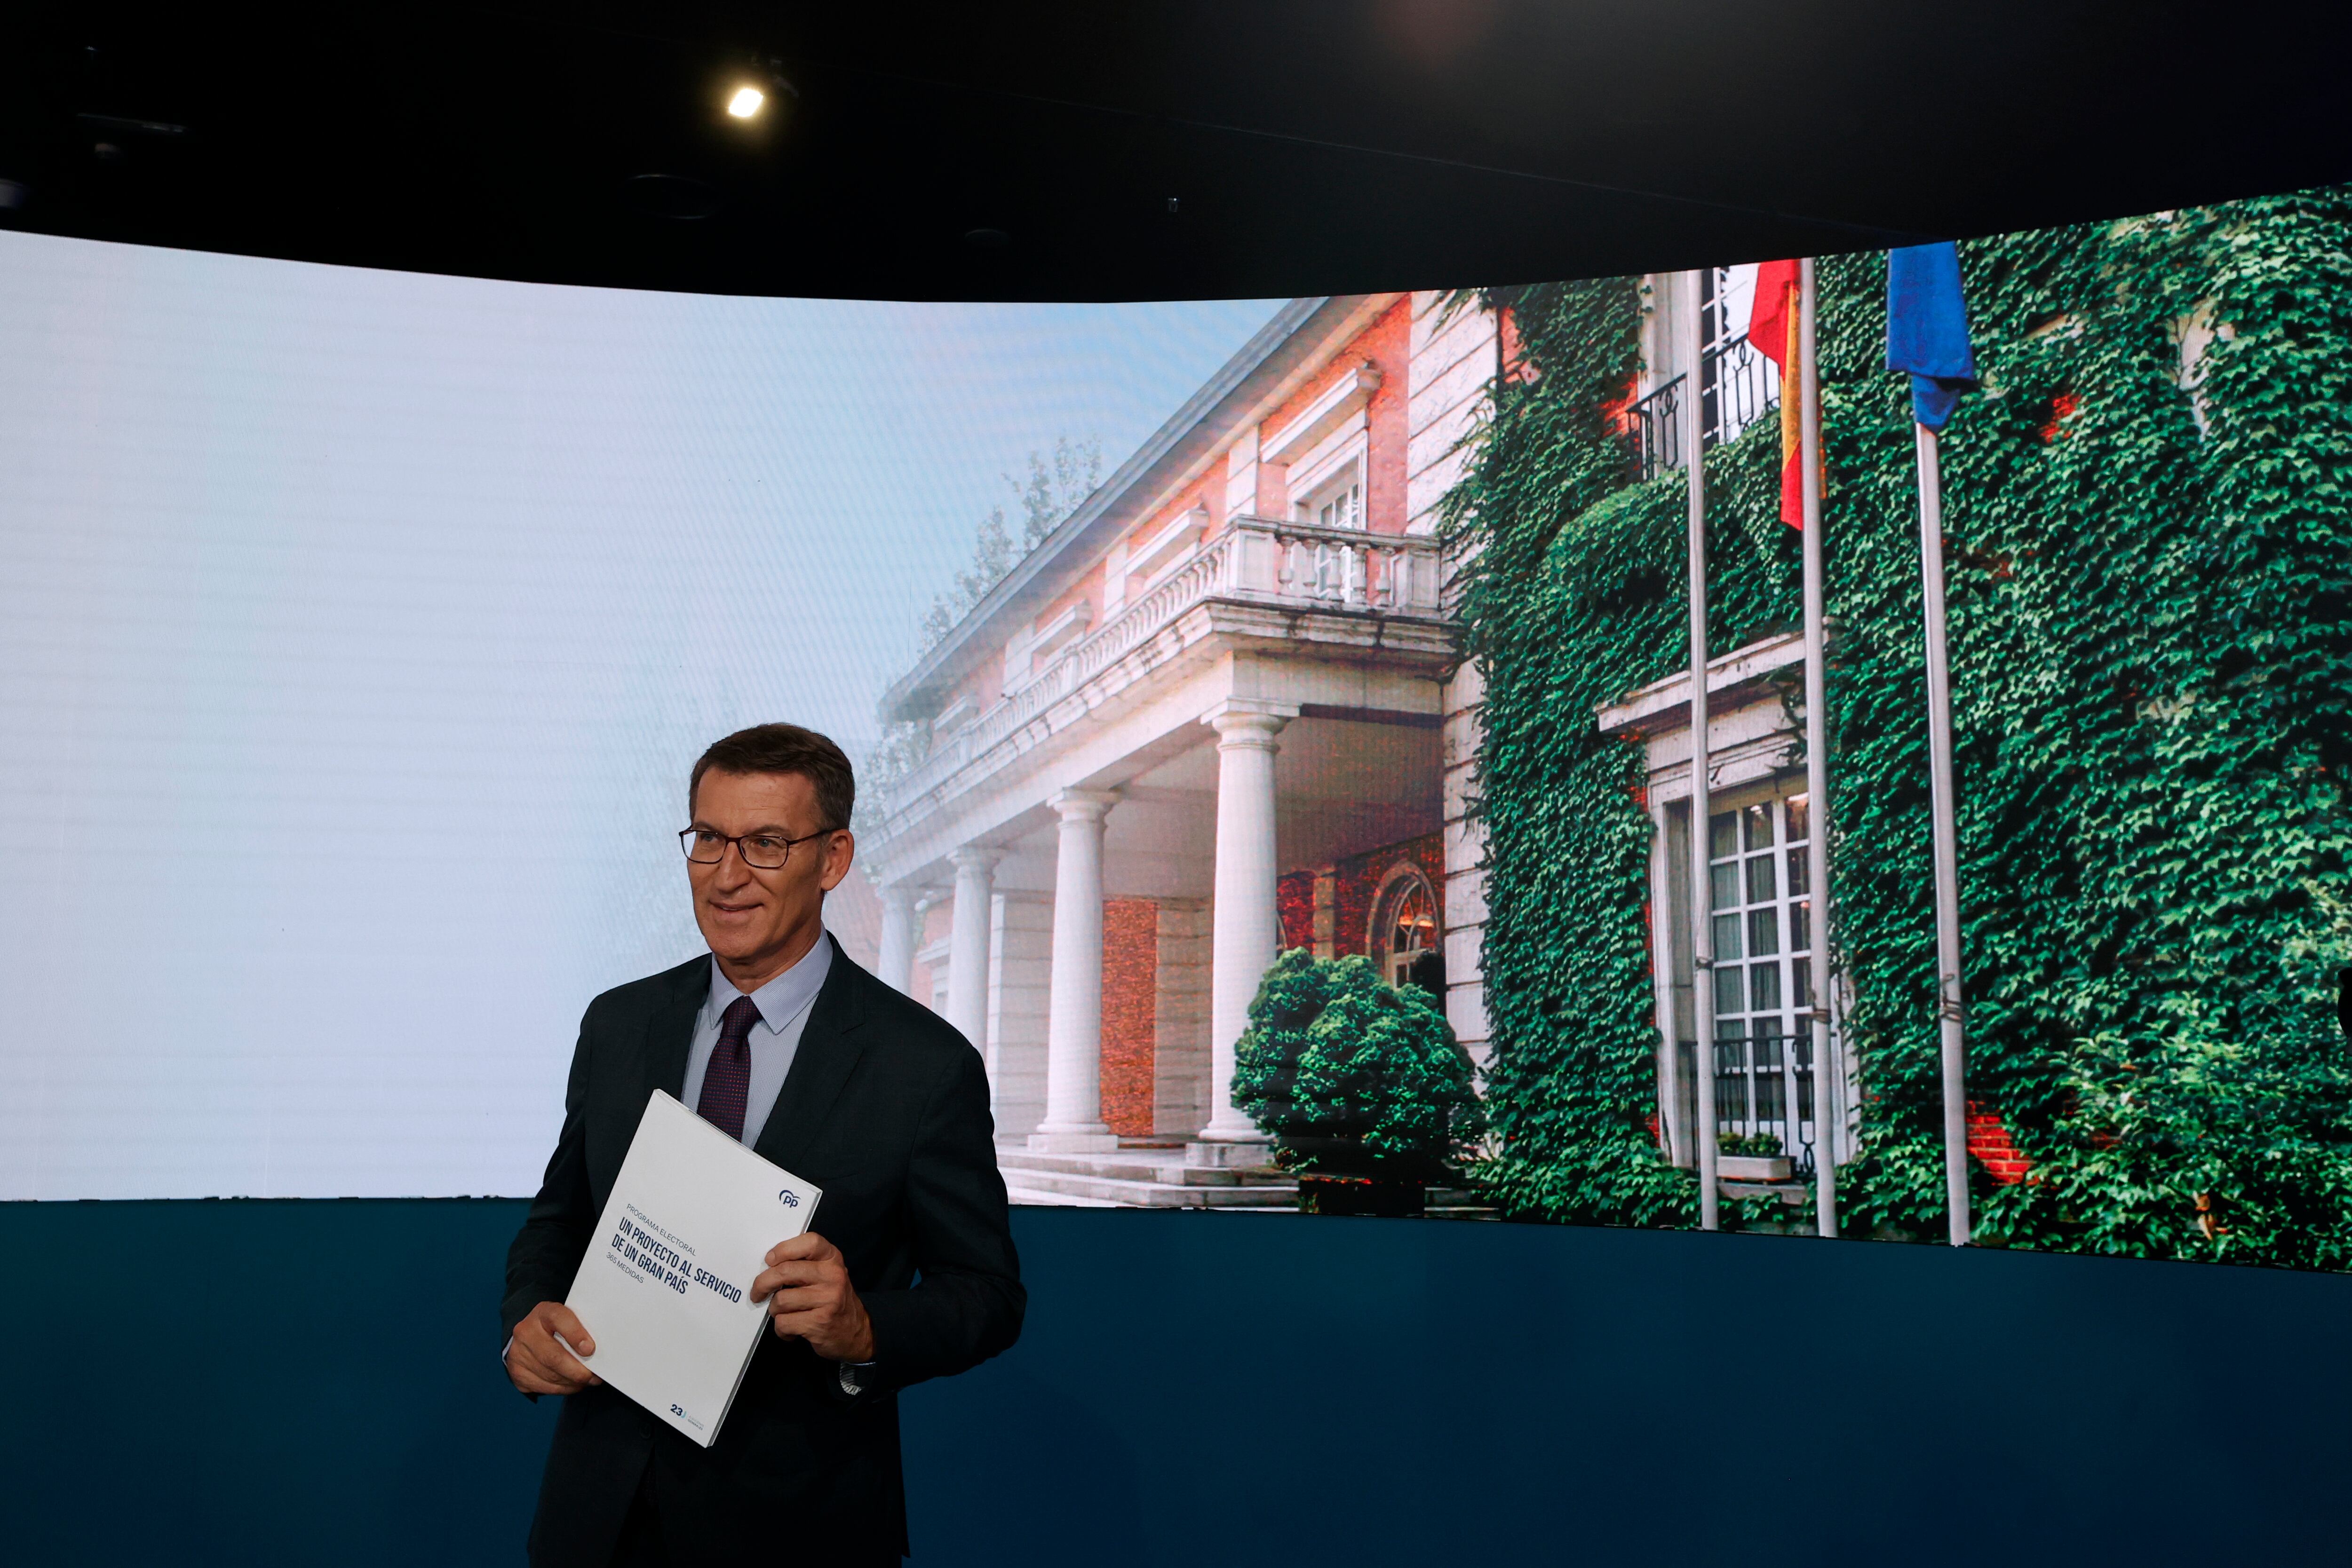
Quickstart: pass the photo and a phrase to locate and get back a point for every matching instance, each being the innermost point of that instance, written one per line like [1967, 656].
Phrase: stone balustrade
[1257, 560]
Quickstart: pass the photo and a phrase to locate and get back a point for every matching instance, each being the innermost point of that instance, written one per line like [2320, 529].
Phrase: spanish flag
[1772, 333]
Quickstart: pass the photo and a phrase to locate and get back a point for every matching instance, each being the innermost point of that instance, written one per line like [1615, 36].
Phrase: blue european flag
[1927, 328]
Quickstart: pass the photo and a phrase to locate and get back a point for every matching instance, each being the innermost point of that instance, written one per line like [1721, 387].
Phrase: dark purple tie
[729, 1077]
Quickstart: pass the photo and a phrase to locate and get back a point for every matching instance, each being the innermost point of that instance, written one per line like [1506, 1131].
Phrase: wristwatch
[851, 1382]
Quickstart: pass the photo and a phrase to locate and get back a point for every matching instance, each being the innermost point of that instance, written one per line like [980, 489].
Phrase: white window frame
[1115, 580]
[1341, 486]
[956, 715]
[1765, 1049]
[1754, 752]
[1343, 460]
[1051, 639]
[1392, 889]
[1169, 548]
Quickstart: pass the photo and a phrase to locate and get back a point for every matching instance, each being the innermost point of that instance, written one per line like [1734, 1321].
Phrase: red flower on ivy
[1613, 412]
[2062, 408]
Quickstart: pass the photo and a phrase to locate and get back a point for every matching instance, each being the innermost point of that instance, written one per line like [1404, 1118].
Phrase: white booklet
[666, 1289]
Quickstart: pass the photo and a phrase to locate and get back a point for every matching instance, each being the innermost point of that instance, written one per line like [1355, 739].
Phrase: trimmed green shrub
[1348, 1072]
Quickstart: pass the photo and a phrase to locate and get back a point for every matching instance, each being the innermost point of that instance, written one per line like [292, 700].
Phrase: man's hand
[537, 1362]
[809, 1297]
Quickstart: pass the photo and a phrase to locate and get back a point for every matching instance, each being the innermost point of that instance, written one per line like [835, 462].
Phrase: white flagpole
[1829, 1083]
[1710, 1197]
[1946, 851]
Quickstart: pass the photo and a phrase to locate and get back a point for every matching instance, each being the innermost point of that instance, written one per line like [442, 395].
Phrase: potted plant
[1362, 1084]
[1755, 1157]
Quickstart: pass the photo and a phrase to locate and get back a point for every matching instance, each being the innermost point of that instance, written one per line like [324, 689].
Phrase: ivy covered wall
[2150, 589]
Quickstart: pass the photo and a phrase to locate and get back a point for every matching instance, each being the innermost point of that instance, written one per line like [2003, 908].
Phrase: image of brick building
[1220, 712]
[1216, 714]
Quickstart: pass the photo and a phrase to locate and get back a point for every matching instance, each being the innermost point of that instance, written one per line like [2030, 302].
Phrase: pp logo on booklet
[789, 1198]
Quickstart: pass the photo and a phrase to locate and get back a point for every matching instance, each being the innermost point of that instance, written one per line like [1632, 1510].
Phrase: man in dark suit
[781, 1040]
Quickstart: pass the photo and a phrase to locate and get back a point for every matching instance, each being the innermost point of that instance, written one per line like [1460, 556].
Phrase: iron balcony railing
[1764, 1088]
[1738, 386]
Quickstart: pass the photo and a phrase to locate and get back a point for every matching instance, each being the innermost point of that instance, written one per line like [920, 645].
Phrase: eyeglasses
[761, 851]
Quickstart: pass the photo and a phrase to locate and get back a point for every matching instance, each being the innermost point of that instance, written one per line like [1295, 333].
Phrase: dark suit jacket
[886, 1109]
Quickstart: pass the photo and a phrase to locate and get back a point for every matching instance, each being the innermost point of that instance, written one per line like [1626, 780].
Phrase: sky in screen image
[359, 627]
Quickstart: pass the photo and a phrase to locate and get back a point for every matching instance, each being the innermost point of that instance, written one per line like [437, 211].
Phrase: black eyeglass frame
[686, 836]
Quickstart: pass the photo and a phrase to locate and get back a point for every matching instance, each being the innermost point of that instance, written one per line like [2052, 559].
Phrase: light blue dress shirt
[783, 1003]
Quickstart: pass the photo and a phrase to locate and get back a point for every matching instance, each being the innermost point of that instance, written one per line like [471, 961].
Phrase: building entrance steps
[1139, 1175]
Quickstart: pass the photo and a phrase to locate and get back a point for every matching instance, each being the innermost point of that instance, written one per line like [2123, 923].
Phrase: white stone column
[1020, 988]
[1074, 1123]
[975, 866]
[896, 962]
[1246, 927]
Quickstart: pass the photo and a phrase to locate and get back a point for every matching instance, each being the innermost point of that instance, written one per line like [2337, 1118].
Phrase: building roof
[1243, 387]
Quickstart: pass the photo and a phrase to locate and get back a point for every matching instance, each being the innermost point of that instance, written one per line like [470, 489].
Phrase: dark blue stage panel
[317, 1382]
[284, 1382]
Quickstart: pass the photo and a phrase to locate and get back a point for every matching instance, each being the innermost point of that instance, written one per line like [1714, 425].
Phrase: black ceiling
[1136, 148]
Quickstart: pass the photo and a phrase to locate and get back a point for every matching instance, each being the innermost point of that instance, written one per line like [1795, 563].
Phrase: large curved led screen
[1332, 657]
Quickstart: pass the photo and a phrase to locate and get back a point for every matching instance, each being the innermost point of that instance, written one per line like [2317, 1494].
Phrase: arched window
[1406, 940]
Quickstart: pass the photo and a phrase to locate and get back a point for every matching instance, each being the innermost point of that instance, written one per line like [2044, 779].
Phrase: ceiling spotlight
[747, 102]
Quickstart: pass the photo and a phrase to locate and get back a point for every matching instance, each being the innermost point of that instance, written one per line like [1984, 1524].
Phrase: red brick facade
[1354, 882]
[1358, 881]
[1129, 1013]
[1990, 1142]
[1294, 899]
